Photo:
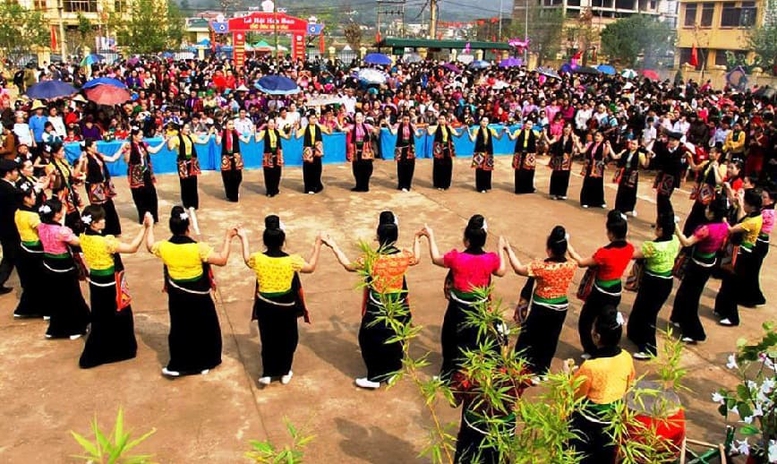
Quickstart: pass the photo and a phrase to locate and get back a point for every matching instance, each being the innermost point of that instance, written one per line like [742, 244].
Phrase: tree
[544, 32]
[763, 39]
[584, 33]
[625, 40]
[21, 30]
[84, 32]
[153, 26]
[353, 35]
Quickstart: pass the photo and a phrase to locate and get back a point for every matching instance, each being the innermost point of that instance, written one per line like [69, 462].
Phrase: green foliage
[625, 40]
[21, 29]
[152, 27]
[112, 448]
[353, 35]
[763, 38]
[545, 31]
[265, 452]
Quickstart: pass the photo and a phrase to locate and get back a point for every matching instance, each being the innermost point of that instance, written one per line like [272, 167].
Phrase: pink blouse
[711, 237]
[54, 238]
[470, 271]
[768, 221]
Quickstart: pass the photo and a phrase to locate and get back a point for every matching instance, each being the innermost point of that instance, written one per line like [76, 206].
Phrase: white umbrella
[629, 73]
[465, 58]
[372, 76]
[500, 85]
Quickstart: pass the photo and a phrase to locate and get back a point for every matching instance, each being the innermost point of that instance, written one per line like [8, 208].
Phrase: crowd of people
[724, 141]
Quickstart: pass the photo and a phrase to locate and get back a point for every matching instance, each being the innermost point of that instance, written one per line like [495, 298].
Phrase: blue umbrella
[91, 59]
[277, 85]
[606, 69]
[479, 64]
[566, 68]
[48, 90]
[168, 55]
[377, 58]
[104, 81]
[511, 62]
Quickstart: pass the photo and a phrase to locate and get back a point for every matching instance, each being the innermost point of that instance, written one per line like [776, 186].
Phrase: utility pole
[432, 19]
[275, 24]
[525, 32]
[62, 49]
[501, 5]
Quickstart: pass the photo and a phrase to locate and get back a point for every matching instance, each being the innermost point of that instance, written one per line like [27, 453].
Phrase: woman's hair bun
[272, 222]
[476, 222]
[386, 217]
[558, 234]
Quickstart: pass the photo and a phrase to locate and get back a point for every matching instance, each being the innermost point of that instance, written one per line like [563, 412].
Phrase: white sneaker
[169, 373]
[76, 336]
[404, 190]
[563, 197]
[46, 318]
[482, 191]
[633, 214]
[585, 356]
[604, 206]
[311, 193]
[726, 322]
[49, 336]
[689, 340]
[265, 380]
[287, 378]
[641, 355]
[363, 382]
[676, 324]
[204, 371]
[585, 206]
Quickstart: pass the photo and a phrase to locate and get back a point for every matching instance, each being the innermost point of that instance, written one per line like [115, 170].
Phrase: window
[82, 6]
[730, 16]
[707, 11]
[720, 56]
[40, 4]
[748, 14]
[690, 15]
[685, 56]
[119, 6]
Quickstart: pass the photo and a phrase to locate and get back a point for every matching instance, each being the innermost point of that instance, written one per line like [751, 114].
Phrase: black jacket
[8, 207]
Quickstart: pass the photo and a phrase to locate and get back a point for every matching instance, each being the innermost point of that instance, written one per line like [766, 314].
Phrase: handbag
[123, 298]
[586, 284]
[635, 275]
[522, 308]
[728, 262]
[447, 285]
[681, 263]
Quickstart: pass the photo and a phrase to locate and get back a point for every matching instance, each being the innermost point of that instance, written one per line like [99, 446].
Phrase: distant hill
[363, 11]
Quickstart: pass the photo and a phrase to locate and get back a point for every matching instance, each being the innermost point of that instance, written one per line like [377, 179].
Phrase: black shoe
[5, 290]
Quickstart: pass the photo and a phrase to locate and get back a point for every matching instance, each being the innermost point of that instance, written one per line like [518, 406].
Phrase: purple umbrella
[511, 62]
[133, 61]
[451, 67]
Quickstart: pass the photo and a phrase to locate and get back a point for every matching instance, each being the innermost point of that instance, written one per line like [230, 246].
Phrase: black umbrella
[585, 70]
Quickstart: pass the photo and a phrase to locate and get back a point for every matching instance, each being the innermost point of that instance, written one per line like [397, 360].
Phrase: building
[600, 12]
[715, 28]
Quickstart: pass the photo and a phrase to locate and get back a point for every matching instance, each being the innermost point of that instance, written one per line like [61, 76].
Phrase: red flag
[53, 33]
[694, 61]
[578, 55]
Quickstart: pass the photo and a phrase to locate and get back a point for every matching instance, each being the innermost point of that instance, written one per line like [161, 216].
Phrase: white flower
[742, 446]
[396, 220]
[758, 411]
[734, 410]
[86, 219]
[751, 384]
[281, 225]
[485, 225]
[183, 216]
[732, 362]
[45, 209]
[619, 318]
[748, 420]
[772, 451]
[768, 385]
[718, 398]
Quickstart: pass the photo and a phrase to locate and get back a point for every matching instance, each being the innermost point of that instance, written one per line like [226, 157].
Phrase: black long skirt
[653, 293]
[482, 180]
[457, 337]
[733, 284]
[685, 310]
[146, 201]
[591, 309]
[471, 444]
[112, 336]
[278, 334]
[272, 180]
[559, 183]
[664, 204]
[592, 193]
[69, 312]
[381, 358]
[232, 180]
[32, 303]
[195, 333]
[539, 335]
[405, 170]
[752, 295]
[190, 196]
[626, 198]
[311, 175]
[112, 222]
[362, 172]
[524, 181]
[442, 172]
[592, 441]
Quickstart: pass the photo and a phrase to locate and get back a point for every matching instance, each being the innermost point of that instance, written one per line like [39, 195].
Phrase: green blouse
[660, 256]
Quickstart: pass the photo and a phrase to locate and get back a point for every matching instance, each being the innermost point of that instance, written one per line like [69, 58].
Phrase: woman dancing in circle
[385, 283]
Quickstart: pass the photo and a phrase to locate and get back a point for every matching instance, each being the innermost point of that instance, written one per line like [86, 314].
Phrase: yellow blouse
[183, 261]
[98, 251]
[26, 223]
[605, 380]
[188, 146]
[274, 275]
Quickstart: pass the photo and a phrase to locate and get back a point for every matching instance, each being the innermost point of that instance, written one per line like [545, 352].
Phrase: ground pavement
[211, 418]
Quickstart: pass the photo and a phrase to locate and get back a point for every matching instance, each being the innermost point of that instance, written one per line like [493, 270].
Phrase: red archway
[266, 23]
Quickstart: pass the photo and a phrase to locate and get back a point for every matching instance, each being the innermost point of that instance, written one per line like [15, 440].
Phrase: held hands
[324, 238]
[568, 366]
[426, 231]
[148, 220]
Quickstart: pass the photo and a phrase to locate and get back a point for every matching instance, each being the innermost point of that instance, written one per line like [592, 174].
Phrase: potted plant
[753, 402]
